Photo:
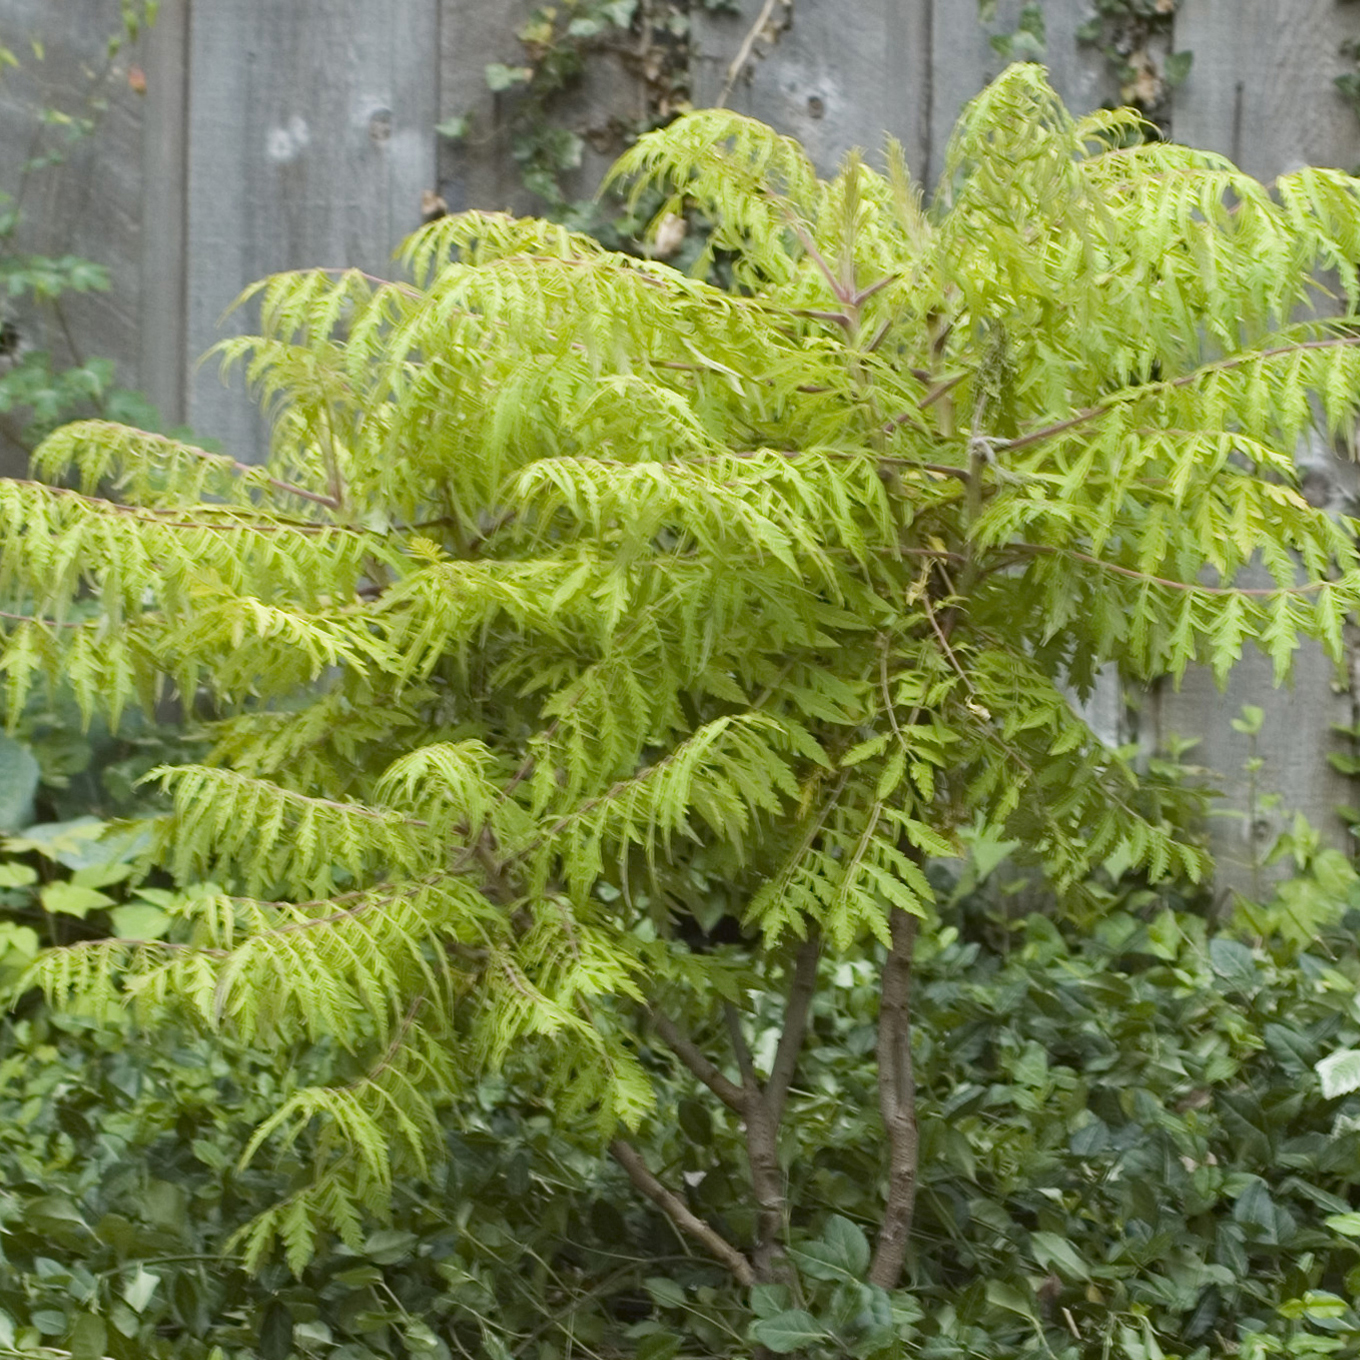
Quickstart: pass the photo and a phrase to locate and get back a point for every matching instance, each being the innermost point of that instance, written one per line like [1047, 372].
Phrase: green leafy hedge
[1128, 1153]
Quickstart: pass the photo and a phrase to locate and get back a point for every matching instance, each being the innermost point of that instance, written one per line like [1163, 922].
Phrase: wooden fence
[275, 134]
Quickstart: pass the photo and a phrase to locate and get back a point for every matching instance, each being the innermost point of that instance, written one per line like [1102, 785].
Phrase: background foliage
[38, 390]
[1132, 1156]
[1128, 1148]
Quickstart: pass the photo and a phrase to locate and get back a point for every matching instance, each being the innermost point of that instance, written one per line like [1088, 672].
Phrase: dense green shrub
[601, 658]
[39, 389]
[1126, 1147]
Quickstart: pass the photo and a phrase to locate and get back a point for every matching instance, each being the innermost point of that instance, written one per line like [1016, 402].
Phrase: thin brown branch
[688, 1052]
[836, 318]
[680, 1213]
[796, 1011]
[48, 623]
[762, 1153]
[393, 1050]
[102, 505]
[816, 256]
[1261, 591]
[742, 1050]
[879, 335]
[349, 269]
[943, 639]
[240, 468]
[869, 290]
[897, 1103]
[940, 390]
[943, 470]
[748, 43]
[1185, 380]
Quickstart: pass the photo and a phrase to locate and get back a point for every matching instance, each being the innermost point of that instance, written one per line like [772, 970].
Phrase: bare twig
[744, 51]
[241, 468]
[1267, 592]
[762, 1152]
[47, 623]
[939, 390]
[688, 1052]
[1185, 380]
[680, 1213]
[897, 1102]
[801, 990]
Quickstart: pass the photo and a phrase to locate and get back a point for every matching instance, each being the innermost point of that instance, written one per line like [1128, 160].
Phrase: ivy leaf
[139, 1289]
[1339, 1073]
[139, 921]
[848, 1241]
[788, 1332]
[1177, 68]
[19, 775]
[501, 77]
[71, 899]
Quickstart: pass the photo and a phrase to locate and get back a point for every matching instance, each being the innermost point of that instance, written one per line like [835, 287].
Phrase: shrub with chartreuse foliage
[582, 601]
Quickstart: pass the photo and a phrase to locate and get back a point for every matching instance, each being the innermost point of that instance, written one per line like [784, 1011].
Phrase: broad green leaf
[19, 775]
[1339, 1073]
[17, 875]
[659, 1346]
[70, 899]
[665, 1292]
[89, 1337]
[787, 1332]
[1232, 961]
[139, 921]
[1003, 1295]
[769, 1299]
[387, 1246]
[1057, 1253]
[140, 1286]
[848, 1241]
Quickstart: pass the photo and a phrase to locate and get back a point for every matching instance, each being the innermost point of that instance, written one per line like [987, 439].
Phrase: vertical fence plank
[310, 142]
[963, 61]
[1261, 91]
[89, 205]
[1261, 88]
[163, 344]
[831, 78]
[479, 171]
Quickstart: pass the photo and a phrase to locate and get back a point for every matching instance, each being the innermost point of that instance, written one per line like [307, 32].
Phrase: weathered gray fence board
[162, 317]
[275, 136]
[310, 142]
[963, 61]
[478, 171]
[1261, 91]
[830, 79]
[92, 205]
[1261, 86]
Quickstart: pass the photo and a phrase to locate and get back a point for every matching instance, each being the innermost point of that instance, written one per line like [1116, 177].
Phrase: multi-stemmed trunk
[761, 1105]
